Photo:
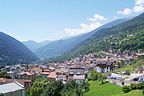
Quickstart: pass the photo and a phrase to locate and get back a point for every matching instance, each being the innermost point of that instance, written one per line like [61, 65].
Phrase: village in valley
[72, 48]
[78, 69]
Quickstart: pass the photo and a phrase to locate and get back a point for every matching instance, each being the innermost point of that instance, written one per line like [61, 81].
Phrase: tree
[102, 77]
[122, 63]
[38, 87]
[4, 75]
[57, 88]
[72, 88]
[126, 89]
[1, 94]
[53, 88]
[85, 85]
[134, 86]
[93, 75]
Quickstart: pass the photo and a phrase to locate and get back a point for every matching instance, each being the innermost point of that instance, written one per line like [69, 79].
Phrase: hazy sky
[54, 19]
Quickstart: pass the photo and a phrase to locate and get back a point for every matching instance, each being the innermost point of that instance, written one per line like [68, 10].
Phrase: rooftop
[52, 75]
[11, 87]
[21, 81]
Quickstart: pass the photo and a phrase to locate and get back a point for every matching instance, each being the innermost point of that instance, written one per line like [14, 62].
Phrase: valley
[99, 59]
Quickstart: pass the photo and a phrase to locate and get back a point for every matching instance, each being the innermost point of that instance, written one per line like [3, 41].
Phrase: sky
[41, 20]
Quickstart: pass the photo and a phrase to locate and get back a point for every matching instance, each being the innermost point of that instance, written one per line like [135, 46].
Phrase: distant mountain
[43, 43]
[59, 47]
[33, 46]
[13, 52]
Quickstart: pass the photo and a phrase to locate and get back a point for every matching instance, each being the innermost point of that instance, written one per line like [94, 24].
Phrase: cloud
[97, 17]
[94, 22]
[125, 11]
[139, 7]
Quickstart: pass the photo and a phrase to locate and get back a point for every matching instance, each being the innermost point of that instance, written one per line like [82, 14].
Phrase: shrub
[1, 94]
[141, 85]
[126, 89]
[94, 75]
[134, 86]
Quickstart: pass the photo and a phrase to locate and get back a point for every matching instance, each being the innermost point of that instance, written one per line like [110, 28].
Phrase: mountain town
[78, 69]
[104, 57]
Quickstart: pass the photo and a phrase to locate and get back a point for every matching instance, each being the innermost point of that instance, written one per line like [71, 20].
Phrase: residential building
[12, 89]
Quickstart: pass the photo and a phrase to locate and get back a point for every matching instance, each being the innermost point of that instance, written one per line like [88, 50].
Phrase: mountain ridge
[114, 35]
[13, 51]
[59, 47]
[33, 45]
[119, 38]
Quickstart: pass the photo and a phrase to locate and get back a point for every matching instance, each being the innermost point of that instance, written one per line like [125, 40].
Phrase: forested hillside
[59, 47]
[13, 52]
[126, 36]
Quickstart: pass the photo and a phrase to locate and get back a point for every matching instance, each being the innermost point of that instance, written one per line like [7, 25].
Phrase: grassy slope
[125, 36]
[132, 93]
[132, 67]
[108, 89]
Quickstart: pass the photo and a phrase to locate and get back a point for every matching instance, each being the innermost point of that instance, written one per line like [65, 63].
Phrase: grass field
[132, 93]
[108, 89]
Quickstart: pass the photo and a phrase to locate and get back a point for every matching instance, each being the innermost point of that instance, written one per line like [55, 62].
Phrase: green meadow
[108, 89]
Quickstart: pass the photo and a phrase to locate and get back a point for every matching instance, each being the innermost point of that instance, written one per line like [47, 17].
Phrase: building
[45, 74]
[77, 72]
[12, 89]
[104, 66]
[52, 76]
[79, 78]
[26, 75]
[25, 83]
[61, 74]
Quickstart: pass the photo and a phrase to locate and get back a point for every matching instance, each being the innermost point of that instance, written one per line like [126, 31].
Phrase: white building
[12, 89]
[104, 66]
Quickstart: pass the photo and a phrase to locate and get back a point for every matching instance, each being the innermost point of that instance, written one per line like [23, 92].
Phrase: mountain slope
[126, 36]
[57, 48]
[12, 51]
[33, 46]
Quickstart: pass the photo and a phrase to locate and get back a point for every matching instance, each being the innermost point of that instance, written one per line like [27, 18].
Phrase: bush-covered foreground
[44, 87]
[108, 89]
[139, 86]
